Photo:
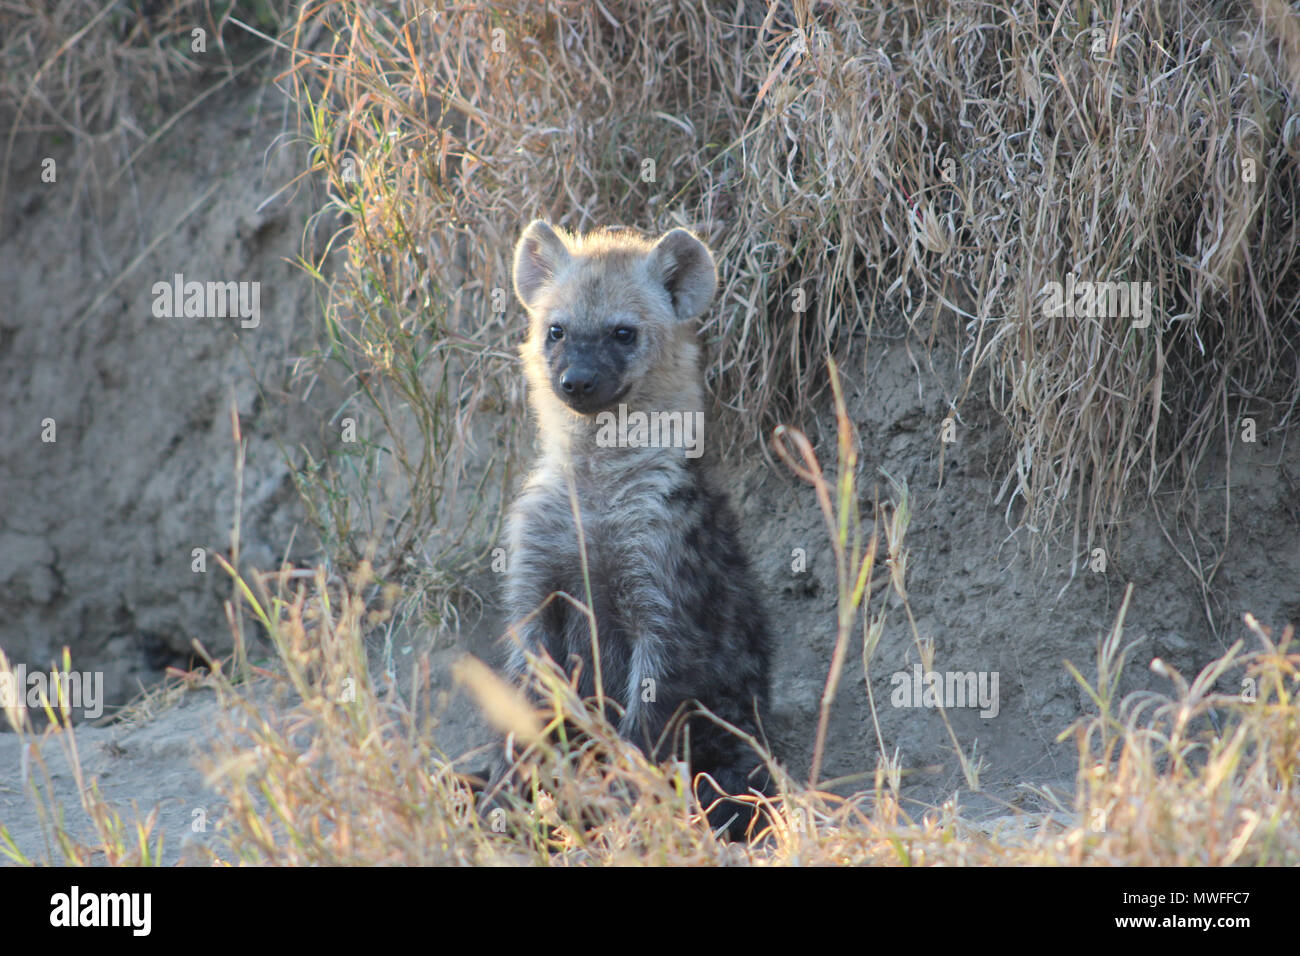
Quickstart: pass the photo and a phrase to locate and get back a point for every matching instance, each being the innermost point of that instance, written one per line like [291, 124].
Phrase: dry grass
[88, 68]
[327, 769]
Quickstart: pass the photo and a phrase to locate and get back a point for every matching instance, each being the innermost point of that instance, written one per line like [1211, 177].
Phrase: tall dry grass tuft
[316, 764]
[84, 68]
[1197, 778]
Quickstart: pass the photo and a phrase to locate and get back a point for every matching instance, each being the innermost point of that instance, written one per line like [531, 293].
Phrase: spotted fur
[678, 615]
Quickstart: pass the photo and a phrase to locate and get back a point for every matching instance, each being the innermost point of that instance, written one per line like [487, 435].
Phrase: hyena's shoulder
[716, 584]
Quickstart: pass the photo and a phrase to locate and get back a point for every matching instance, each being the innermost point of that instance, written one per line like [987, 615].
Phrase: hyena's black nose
[578, 381]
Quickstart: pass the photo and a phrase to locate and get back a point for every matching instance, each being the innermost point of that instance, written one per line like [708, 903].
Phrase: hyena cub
[614, 377]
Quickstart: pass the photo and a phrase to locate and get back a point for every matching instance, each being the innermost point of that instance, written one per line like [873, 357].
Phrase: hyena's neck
[642, 432]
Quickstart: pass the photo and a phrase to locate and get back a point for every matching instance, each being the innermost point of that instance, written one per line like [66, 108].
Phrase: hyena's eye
[624, 335]
[555, 333]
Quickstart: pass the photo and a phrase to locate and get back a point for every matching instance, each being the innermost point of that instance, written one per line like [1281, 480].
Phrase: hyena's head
[612, 318]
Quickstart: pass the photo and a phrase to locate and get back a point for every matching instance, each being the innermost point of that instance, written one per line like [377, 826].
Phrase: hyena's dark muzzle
[586, 375]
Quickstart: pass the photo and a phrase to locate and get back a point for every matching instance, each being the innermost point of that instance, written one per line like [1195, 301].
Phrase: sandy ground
[137, 768]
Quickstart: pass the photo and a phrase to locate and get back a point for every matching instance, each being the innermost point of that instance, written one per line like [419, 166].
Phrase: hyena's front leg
[535, 624]
[528, 631]
[536, 565]
[649, 695]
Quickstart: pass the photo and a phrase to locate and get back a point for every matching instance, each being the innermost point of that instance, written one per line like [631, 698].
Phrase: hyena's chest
[602, 561]
[616, 562]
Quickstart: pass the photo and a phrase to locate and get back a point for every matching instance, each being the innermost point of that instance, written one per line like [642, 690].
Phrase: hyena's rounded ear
[538, 256]
[685, 267]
